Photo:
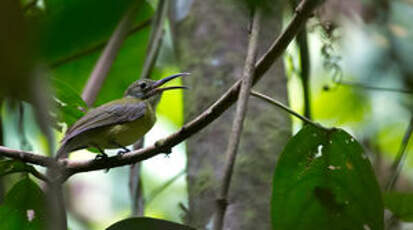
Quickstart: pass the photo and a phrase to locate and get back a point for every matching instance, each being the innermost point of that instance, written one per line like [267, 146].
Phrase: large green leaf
[23, 207]
[324, 180]
[147, 223]
[400, 204]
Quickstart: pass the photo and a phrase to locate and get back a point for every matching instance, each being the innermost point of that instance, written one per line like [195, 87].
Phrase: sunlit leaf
[23, 207]
[323, 179]
[69, 104]
[147, 223]
[341, 105]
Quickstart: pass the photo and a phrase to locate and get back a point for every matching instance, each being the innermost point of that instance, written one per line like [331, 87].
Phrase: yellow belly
[124, 134]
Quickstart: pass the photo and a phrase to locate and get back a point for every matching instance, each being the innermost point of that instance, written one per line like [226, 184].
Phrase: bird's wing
[107, 114]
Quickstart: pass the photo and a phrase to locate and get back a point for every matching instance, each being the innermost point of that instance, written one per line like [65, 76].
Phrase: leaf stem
[400, 158]
[283, 107]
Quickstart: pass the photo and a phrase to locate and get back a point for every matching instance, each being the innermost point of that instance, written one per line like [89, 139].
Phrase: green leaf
[147, 223]
[23, 207]
[13, 166]
[400, 204]
[324, 179]
[68, 102]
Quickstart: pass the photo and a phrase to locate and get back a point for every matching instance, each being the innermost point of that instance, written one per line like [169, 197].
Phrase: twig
[98, 46]
[305, 69]
[302, 41]
[303, 12]
[283, 107]
[400, 158]
[108, 56]
[39, 175]
[372, 87]
[135, 184]
[237, 125]
[155, 40]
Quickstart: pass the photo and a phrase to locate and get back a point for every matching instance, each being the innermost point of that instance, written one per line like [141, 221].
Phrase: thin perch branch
[400, 158]
[108, 56]
[237, 125]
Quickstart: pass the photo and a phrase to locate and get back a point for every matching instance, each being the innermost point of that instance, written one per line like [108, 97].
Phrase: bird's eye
[142, 85]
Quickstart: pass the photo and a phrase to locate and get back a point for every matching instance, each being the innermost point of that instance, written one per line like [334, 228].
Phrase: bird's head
[144, 89]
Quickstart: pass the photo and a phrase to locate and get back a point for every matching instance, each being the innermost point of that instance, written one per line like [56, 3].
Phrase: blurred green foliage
[400, 204]
[24, 207]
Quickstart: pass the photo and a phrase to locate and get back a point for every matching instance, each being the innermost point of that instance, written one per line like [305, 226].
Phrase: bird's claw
[122, 152]
[101, 156]
[167, 151]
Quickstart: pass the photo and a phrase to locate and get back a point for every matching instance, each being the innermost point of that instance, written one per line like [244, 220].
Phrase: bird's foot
[101, 156]
[167, 151]
[123, 151]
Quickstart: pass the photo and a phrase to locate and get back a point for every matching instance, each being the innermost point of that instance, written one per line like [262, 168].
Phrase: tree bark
[211, 42]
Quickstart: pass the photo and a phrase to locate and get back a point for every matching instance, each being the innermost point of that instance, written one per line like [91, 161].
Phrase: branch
[237, 125]
[303, 12]
[98, 46]
[155, 40]
[400, 158]
[108, 56]
[283, 107]
[26, 156]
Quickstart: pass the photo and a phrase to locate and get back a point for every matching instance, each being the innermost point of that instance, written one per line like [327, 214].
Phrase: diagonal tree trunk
[211, 42]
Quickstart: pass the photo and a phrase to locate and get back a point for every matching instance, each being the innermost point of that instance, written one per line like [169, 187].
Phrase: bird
[118, 123]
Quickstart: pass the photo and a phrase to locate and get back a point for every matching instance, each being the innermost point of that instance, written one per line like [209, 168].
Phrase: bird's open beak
[159, 83]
